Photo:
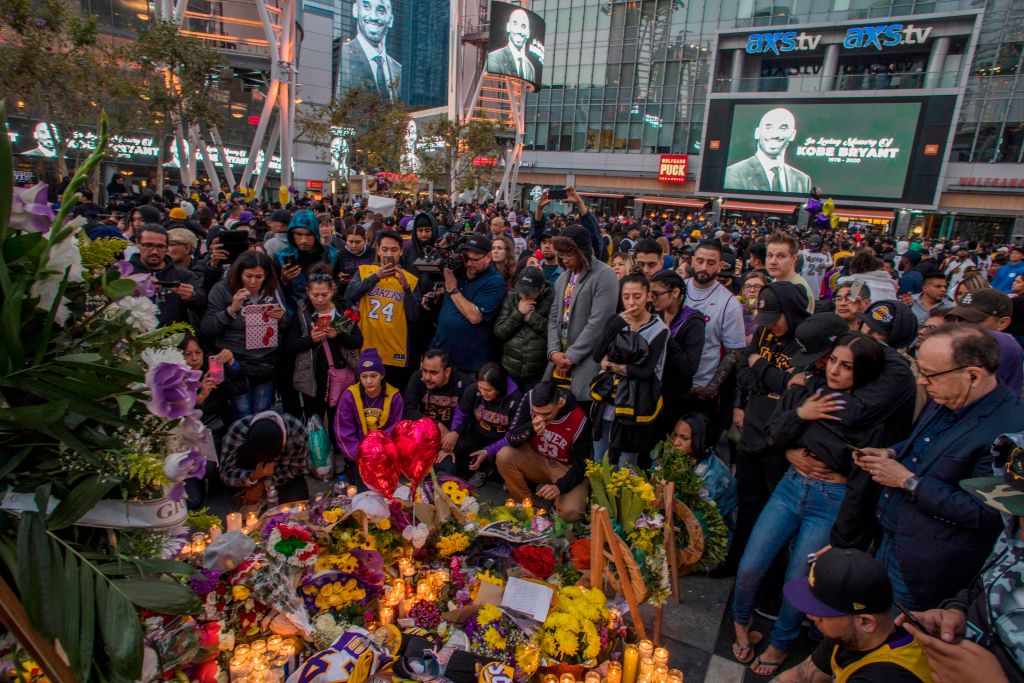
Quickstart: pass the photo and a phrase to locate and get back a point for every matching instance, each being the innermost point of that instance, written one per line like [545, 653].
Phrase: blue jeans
[615, 457]
[802, 511]
[258, 398]
[886, 557]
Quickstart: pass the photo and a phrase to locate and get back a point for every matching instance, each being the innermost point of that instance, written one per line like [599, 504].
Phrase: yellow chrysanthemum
[452, 544]
[487, 614]
[567, 642]
[494, 640]
[384, 524]
[240, 593]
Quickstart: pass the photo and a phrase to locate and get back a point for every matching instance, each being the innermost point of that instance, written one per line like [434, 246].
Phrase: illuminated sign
[857, 37]
[314, 184]
[672, 168]
[485, 161]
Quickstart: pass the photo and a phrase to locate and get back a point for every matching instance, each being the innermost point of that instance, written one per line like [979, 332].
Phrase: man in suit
[512, 60]
[937, 536]
[364, 59]
[767, 170]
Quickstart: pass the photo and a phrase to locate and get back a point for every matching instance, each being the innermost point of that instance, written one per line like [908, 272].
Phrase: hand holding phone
[216, 371]
[558, 194]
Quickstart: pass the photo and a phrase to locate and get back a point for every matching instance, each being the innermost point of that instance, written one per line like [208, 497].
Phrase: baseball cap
[1004, 492]
[549, 232]
[768, 308]
[816, 336]
[975, 306]
[892, 319]
[530, 281]
[477, 242]
[842, 581]
[728, 268]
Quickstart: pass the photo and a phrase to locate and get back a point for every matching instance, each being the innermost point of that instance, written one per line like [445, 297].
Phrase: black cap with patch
[841, 581]
[816, 336]
[893, 320]
[477, 242]
[530, 281]
[768, 307]
[976, 306]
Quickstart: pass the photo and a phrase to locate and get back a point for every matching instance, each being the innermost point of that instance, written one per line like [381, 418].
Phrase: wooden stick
[623, 570]
[596, 548]
[13, 616]
[659, 612]
[670, 539]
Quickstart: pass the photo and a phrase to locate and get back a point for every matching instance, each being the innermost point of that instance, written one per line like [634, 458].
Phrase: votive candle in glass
[528, 503]
[234, 521]
[614, 672]
[646, 648]
[274, 643]
[351, 491]
[661, 657]
[239, 666]
[593, 677]
[510, 503]
[243, 651]
[675, 676]
[251, 520]
[550, 678]
[259, 647]
[661, 673]
[215, 532]
[614, 617]
[630, 662]
[646, 666]
[387, 615]
[567, 678]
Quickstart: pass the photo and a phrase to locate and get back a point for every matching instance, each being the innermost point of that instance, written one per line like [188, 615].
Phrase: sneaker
[767, 613]
[478, 479]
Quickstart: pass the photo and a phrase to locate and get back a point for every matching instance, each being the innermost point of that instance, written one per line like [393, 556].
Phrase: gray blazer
[749, 175]
[355, 71]
[502, 62]
[594, 300]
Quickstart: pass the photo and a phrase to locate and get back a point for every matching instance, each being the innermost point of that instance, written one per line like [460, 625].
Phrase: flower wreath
[292, 545]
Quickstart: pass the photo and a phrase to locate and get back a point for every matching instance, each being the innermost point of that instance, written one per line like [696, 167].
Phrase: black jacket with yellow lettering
[764, 382]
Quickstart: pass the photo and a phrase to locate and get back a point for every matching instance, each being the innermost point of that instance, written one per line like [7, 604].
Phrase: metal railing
[812, 83]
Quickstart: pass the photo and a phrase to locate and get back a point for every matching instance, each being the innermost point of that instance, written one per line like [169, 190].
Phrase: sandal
[745, 653]
[772, 666]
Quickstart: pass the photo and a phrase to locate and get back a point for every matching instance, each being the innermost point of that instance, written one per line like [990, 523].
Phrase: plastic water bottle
[271, 495]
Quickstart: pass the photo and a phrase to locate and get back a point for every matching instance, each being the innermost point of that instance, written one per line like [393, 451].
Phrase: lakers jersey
[382, 316]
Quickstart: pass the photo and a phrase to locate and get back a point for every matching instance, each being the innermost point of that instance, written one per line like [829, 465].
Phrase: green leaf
[16, 248]
[124, 404]
[33, 417]
[120, 630]
[87, 635]
[132, 566]
[160, 595]
[11, 462]
[80, 500]
[78, 358]
[35, 575]
[118, 289]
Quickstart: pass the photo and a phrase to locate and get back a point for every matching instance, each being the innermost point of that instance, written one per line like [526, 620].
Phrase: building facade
[627, 81]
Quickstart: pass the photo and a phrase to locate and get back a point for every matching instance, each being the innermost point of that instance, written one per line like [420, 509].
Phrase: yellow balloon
[282, 195]
[828, 207]
[835, 221]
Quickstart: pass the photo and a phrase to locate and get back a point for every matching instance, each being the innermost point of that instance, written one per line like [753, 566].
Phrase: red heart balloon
[402, 435]
[378, 463]
[426, 438]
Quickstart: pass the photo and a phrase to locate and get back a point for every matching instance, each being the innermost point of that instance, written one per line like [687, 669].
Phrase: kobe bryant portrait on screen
[364, 59]
[767, 170]
[512, 59]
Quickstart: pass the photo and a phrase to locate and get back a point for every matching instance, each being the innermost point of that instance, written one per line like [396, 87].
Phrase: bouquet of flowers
[576, 630]
[494, 634]
[93, 396]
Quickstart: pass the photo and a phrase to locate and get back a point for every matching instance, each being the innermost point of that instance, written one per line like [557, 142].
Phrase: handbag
[338, 379]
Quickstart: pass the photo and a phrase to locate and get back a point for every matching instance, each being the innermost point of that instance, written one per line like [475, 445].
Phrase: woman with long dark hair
[685, 345]
[245, 314]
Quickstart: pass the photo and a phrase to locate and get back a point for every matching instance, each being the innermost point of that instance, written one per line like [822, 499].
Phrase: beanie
[581, 238]
[370, 361]
[150, 214]
[178, 214]
[188, 208]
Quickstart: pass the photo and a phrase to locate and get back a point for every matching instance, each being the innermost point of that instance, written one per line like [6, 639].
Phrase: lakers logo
[882, 314]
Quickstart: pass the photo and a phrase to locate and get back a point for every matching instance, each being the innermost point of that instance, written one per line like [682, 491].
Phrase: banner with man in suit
[515, 43]
[767, 170]
[365, 61]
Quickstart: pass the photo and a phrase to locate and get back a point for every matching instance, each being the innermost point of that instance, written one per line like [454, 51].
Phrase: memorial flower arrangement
[293, 545]
[576, 629]
[96, 405]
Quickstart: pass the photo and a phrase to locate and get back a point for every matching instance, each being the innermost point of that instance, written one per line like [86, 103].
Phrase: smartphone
[558, 194]
[323, 322]
[913, 620]
[168, 283]
[216, 370]
[235, 243]
[289, 260]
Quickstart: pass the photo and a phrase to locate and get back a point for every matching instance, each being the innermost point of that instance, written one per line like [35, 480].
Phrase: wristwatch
[453, 291]
[910, 483]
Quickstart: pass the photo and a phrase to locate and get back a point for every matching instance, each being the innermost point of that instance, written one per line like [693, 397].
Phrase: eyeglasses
[320, 277]
[657, 294]
[469, 259]
[152, 247]
[929, 376]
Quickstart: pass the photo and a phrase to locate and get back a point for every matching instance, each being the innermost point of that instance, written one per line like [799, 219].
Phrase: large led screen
[871, 150]
[515, 45]
[367, 59]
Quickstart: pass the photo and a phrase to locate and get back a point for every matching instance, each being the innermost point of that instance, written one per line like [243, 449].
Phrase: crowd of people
[833, 389]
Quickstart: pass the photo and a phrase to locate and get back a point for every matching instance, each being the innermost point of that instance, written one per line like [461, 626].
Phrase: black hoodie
[415, 249]
[764, 382]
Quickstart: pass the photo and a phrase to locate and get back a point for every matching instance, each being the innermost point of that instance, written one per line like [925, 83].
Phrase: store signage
[857, 37]
[978, 181]
[314, 184]
[672, 168]
[485, 161]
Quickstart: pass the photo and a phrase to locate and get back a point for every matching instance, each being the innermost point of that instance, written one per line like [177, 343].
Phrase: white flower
[46, 291]
[153, 356]
[62, 257]
[325, 622]
[416, 534]
[141, 313]
[470, 506]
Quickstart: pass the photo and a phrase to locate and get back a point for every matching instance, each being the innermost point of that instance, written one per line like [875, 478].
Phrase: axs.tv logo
[857, 37]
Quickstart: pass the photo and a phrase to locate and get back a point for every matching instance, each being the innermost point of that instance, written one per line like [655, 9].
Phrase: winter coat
[171, 307]
[524, 342]
[488, 420]
[311, 360]
[228, 332]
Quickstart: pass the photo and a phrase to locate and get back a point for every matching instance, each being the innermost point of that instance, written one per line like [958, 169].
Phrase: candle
[592, 676]
[614, 615]
[550, 678]
[661, 674]
[528, 503]
[661, 657]
[675, 676]
[646, 648]
[567, 678]
[387, 615]
[630, 659]
[259, 646]
[541, 511]
[397, 591]
[444, 576]
[300, 507]
[351, 491]
[251, 520]
[234, 520]
[239, 666]
[646, 665]
[409, 571]
[287, 650]
[242, 651]
[509, 503]
[614, 672]
[186, 550]
[274, 643]
[286, 508]
[199, 547]
[215, 532]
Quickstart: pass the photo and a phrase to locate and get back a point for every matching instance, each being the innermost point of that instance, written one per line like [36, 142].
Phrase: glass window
[963, 140]
[1013, 143]
[986, 148]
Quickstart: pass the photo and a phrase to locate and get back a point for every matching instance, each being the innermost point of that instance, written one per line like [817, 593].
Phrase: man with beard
[434, 390]
[178, 290]
[512, 60]
[364, 59]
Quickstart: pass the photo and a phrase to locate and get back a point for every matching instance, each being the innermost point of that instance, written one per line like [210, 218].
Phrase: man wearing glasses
[178, 290]
[474, 296]
[936, 536]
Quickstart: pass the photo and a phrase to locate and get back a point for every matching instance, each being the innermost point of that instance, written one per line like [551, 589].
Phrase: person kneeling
[549, 443]
[265, 450]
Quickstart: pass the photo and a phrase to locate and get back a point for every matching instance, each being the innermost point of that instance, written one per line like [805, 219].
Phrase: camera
[446, 253]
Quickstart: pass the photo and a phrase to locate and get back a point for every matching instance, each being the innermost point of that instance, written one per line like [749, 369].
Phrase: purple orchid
[29, 211]
[144, 285]
[182, 466]
[174, 388]
[204, 581]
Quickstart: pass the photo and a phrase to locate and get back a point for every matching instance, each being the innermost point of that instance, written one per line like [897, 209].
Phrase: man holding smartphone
[389, 299]
[179, 291]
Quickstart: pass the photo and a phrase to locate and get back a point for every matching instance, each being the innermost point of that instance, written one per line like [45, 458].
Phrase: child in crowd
[690, 436]
[367, 405]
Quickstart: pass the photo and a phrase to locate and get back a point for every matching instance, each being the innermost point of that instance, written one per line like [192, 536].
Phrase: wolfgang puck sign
[672, 168]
